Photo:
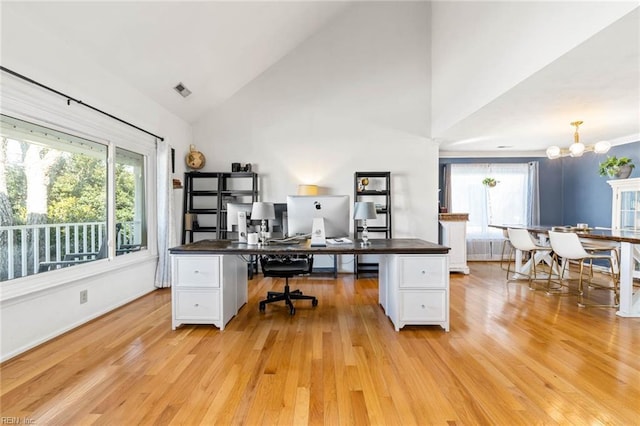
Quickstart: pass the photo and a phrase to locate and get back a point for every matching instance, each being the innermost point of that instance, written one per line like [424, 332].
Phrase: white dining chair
[610, 247]
[520, 239]
[567, 246]
[507, 249]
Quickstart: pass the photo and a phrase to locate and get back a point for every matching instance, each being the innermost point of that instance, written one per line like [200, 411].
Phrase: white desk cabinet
[206, 289]
[414, 289]
[454, 235]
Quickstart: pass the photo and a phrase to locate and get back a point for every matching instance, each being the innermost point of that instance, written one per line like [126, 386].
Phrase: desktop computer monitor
[334, 209]
[278, 226]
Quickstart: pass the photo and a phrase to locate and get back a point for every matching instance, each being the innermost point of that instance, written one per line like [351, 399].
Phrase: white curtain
[533, 203]
[505, 203]
[446, 183]
[165, 214]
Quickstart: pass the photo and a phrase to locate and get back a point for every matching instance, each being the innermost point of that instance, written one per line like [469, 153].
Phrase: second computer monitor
[334, 209]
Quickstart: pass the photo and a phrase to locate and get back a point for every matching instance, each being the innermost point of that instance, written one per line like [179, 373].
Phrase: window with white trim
[55, 199]
[492, 194]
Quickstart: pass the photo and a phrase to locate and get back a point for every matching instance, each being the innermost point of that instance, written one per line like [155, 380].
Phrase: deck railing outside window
[23, 248]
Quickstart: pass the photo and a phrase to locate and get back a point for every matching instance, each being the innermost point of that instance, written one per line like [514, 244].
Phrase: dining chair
[568, 247]
[598, 246]
[520, 239]
[506, 247]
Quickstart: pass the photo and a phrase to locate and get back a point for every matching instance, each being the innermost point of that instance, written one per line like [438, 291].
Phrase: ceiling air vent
[180, 88]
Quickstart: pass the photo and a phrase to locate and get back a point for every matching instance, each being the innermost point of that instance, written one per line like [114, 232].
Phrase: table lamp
[307, 189]
[263, 211]
[364, 210]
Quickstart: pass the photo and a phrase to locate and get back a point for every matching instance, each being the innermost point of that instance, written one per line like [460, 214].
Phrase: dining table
[627, 239]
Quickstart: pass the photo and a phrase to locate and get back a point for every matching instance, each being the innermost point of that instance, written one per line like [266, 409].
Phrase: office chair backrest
[286, 266]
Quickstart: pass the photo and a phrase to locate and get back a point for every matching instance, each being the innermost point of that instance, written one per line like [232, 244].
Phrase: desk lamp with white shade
[263, 211]
[364, 210]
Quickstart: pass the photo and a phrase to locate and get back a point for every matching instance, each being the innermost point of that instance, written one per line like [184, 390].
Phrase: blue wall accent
[571, 190]
[586, 194]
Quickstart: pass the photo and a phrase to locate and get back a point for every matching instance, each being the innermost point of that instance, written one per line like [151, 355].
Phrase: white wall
[32, 319]
[510, 42]
[354, 97]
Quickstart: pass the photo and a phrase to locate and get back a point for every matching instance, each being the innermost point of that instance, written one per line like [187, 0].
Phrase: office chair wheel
[262, 307]
[314, 302]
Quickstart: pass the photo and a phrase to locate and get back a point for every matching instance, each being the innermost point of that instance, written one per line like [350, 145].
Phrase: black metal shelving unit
[377, 191]
[206, 195]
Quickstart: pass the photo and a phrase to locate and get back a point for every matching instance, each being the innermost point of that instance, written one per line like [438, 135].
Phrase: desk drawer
[422, 272]
[424, 306]
[197, 271]
[198, 305]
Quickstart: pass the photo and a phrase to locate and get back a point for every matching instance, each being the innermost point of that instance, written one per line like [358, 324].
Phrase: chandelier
[577, 148]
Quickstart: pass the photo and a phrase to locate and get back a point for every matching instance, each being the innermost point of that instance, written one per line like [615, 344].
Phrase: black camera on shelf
[237, 167]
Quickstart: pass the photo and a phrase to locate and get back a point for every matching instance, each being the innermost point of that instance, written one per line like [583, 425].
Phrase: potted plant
[616, 167]
[490, 182]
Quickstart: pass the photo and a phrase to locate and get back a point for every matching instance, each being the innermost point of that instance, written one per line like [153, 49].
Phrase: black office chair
[286, 267]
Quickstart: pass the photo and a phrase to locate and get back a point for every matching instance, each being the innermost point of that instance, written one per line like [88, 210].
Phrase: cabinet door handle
[197, 304]
[196, 272]
[423, 306]
[424, 272]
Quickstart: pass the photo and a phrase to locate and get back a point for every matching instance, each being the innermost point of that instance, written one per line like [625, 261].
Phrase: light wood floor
[513, 356]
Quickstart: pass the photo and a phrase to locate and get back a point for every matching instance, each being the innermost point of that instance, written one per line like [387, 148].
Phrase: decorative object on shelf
[237, 167]
[188, 221]
[364, 210]
[307, 189]
[263, 211]
[577, 148]
[362, 185]
[619, 168]
[195, 159]
[490, 182]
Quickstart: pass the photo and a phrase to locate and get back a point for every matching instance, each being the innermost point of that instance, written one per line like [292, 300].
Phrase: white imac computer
[334, 209]
[238, 218]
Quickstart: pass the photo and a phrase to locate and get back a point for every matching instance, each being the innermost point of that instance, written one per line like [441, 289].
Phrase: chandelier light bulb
[553, 152]
[576, 149]
[602, 147]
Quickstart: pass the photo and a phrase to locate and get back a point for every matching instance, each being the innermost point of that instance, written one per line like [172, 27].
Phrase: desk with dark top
[377, 246]
[208, 285]
[629, 302]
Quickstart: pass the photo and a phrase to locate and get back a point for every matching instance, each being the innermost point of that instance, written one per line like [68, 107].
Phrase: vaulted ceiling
[216, 48]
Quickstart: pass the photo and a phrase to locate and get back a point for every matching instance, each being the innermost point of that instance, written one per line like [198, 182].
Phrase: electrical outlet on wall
[84, 296]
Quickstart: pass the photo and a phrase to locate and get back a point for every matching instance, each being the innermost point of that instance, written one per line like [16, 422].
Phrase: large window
[509, 201]
[55, 200]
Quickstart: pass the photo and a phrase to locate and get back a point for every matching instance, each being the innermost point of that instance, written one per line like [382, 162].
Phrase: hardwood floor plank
[513, 356]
